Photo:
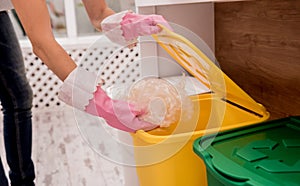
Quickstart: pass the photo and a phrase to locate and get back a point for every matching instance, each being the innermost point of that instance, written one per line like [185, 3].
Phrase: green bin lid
[264, 154]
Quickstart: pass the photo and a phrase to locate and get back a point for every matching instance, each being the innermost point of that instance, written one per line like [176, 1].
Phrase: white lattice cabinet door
[113, 63]
[43, 82]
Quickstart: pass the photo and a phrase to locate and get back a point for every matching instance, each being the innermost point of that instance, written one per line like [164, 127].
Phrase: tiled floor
[62, 157]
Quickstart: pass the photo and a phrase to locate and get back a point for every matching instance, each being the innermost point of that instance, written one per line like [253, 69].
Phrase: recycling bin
[263, 154]
[164, 156]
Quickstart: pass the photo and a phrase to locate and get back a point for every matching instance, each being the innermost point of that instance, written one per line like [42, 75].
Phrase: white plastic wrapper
[164, 103]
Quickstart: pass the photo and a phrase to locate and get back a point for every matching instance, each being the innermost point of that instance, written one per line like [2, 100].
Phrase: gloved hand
[124, 27]
[82, 90]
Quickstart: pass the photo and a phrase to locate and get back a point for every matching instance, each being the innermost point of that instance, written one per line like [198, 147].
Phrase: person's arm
[97, 11]
[35, 19]
[88, 97]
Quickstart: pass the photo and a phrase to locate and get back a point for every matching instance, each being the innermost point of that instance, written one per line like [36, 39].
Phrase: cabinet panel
[258, 46]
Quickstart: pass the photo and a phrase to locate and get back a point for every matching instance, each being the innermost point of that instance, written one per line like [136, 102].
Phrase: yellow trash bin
[165, 157]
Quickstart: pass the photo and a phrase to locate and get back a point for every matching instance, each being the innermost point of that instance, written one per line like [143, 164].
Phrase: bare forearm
[36, 22]
[97, 11]
[55, 57]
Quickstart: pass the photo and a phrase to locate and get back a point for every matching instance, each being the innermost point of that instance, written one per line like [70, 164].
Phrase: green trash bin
[266, 154]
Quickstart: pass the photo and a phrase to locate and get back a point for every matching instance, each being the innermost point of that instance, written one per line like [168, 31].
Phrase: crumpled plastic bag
[164, 103]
